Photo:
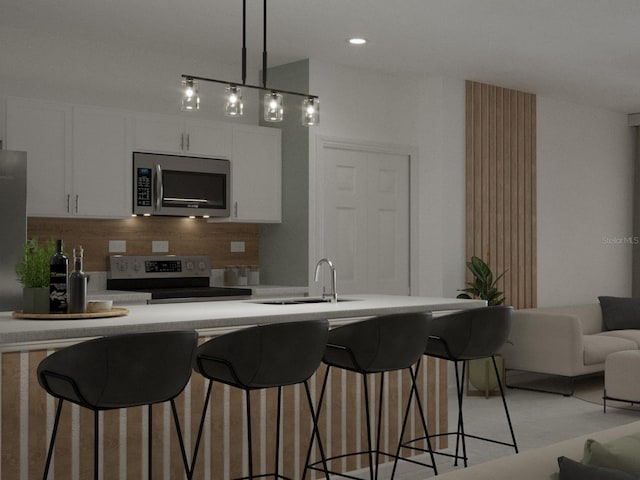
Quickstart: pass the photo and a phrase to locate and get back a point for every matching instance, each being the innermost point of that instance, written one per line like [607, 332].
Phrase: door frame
[317, 198]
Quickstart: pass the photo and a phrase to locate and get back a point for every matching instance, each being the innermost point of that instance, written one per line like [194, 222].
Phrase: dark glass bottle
[58, 271]
[77, 284]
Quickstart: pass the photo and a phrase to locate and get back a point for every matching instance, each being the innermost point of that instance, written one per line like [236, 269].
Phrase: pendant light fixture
[310, 112]
[273, 98]
[190, 99]
[233, 106]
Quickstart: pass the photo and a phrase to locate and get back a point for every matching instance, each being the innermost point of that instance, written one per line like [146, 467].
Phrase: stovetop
[179, 277]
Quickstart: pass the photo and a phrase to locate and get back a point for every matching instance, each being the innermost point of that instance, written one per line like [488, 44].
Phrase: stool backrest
[276, 354]
[378, 344]
[121, 370]
[469, 334]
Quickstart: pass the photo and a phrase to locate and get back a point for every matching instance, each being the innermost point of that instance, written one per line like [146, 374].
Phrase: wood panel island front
[27, 412]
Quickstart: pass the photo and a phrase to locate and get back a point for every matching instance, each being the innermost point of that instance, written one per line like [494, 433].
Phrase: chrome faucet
[334, 293]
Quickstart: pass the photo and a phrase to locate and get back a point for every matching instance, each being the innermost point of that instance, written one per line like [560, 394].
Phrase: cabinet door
[102, 172]
[210, 139]
[256, 174]
[43, 130]
[159, 133]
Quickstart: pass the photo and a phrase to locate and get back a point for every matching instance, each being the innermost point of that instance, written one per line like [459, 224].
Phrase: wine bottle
[77, 284]
[58, 271]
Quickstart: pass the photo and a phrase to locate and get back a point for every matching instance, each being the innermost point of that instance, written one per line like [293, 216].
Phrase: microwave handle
[159, 189]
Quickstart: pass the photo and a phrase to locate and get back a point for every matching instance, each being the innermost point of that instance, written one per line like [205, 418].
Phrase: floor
[538, 419]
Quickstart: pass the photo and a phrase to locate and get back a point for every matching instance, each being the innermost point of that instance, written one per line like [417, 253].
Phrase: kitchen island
[27, 412]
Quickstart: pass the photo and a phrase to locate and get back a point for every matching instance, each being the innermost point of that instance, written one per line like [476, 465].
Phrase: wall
[37, 65]
[585, 199]
[284, 251]
[440, 263]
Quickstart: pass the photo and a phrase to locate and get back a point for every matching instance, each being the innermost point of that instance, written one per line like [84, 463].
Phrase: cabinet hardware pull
[182, 141]
[235, 209]
[188, 141]
[77, 203]
[68, 203]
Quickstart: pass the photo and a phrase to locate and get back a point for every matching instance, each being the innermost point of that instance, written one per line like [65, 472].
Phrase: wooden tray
[114, 312]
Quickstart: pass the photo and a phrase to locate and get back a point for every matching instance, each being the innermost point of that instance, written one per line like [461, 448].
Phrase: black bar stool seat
[265, 356]
[120, 371]
[375, 346]
[469, 335]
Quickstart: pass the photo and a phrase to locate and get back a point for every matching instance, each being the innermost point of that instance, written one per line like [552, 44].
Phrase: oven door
[181, 186]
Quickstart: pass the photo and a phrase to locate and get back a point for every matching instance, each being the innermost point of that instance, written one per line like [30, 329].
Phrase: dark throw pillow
[572, 470]
[620, 313]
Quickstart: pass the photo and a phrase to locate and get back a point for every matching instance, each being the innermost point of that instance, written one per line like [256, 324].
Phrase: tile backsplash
[176, 235]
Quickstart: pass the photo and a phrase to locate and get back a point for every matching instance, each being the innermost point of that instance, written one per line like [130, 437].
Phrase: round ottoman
[621, 380]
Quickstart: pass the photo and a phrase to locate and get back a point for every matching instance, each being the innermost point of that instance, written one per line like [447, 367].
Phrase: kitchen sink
[301, 301]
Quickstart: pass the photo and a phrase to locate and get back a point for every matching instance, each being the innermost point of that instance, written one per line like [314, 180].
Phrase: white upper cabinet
[43, 130]
[102, 169]
[78, 158]
[173, 134]
[256, 175]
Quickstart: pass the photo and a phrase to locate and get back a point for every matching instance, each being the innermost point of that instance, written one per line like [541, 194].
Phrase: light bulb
[310, 112]
[191, 99]
[233, 106]
[273, 109]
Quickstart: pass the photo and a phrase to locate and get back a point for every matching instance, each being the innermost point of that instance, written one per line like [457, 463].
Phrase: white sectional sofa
[539, 463]
[567, 341]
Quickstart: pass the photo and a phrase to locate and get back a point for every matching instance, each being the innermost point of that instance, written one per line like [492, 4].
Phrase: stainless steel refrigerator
[13, 225]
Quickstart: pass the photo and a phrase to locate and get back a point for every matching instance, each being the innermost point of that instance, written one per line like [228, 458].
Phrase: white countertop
[204, 316]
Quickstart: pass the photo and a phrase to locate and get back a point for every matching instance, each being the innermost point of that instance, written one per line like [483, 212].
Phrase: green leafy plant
[33, 269]
[483, 286]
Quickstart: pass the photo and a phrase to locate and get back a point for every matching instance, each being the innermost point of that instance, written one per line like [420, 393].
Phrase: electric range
[169, 278]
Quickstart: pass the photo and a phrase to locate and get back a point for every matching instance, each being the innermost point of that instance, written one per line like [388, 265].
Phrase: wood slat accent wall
[27, 412]
[501, 187]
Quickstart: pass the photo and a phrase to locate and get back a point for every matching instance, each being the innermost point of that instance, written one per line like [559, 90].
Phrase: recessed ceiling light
[357, 41]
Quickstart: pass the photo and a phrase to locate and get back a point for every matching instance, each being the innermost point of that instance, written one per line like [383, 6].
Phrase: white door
[366, 220]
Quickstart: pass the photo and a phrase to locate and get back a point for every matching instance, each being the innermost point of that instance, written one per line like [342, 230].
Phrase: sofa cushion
[621, 453]
[572, 470]
[597, 347]
[620, 313]
[633, 335]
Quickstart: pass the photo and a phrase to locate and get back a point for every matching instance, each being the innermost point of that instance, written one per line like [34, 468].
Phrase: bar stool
[374, 346]
[120, 371]
[265, 356]
[462, 336]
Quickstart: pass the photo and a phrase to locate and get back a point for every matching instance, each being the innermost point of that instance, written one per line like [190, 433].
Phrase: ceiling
[584, 51]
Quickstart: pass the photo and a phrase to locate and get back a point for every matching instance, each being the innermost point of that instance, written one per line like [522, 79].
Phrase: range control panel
[159, 266]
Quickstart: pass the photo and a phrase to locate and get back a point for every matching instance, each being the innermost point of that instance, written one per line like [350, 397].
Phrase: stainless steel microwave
[180, 186]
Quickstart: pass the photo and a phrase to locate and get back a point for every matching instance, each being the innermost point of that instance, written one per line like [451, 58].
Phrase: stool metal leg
[414, 388]
[504, 402]
[200, 428]
[460, 436]
[278, 433]
[314, 434]
[315, 428]
[53, 440]
[150, 434]
[249, 446]
[176, 421]
[96, 439]
[368, 419]
[380, 399]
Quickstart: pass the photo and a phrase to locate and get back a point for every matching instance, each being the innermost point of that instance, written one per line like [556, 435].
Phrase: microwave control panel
[143, 187]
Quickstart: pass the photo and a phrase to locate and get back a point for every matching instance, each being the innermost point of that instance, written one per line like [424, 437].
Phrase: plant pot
[35, 300]
[482, 376]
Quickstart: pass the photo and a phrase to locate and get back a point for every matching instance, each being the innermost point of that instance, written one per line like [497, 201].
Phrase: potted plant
[483, 285]
[481, 373]
[33, 274]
